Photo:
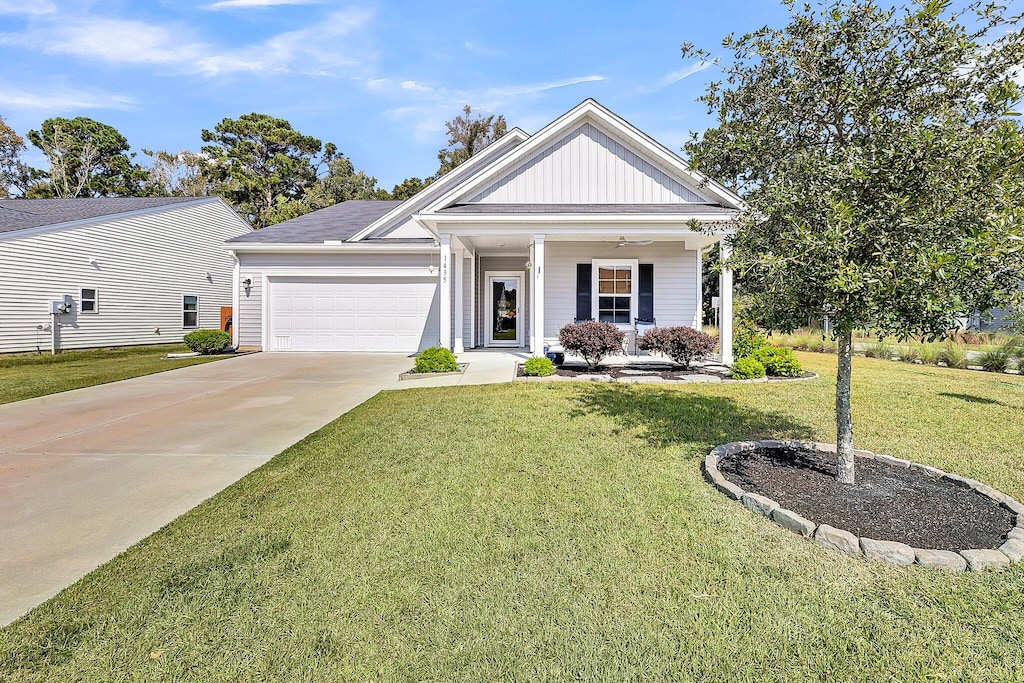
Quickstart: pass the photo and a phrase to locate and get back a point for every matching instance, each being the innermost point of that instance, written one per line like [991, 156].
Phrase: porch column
[725, 302]
[444, 285]
[537, 290]
[459, 264]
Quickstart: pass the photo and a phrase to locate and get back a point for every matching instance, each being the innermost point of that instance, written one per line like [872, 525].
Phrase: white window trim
[634, 293]
[95, 301]
[183, 311]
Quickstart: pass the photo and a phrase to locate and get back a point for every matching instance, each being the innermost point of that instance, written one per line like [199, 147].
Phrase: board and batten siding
[676, 293]
[253, 265]
[141, 266]
[587, 167]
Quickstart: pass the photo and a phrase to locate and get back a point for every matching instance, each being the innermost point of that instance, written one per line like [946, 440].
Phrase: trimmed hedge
[436, 359]
[207, 341]
[778, 361]
[538, 366]
[682, 344]
[746, 368]
[591, 340]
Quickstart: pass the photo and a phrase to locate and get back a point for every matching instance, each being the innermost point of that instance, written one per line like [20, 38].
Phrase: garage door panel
[353, 314]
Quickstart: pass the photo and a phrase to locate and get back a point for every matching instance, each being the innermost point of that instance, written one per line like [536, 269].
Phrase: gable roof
[338, 222]
[674, 180]
[23, 214]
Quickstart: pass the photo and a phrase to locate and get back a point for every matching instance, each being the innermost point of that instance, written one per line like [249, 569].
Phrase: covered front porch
[517, 288]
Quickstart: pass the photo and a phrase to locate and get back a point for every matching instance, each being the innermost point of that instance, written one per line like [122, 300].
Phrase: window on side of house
[615, 292]
[190, 311]
[88, 300]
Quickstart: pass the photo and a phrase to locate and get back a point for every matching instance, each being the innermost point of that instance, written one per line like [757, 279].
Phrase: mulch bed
[665, 372]
[887, 503]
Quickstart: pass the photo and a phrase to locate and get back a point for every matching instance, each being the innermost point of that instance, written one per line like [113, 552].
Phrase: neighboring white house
[82, 273]
[589, 218]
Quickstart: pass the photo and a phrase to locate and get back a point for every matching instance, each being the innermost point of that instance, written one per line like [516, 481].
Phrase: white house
[79, 273]
[589, 218]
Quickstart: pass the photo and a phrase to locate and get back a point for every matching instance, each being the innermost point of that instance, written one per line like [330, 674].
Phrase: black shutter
[583, 285]
[645, 300]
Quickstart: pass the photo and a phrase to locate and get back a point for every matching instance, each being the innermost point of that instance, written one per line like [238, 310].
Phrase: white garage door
[353, 314]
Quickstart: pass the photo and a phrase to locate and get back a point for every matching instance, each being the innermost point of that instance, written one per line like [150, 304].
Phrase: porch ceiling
[520, 243]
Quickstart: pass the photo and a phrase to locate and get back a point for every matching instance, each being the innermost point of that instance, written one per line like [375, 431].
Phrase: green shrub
[591, 340]
[207, 341]
[909, 352]
[996, 360]
[953, 355]
[436, 359]
[930, 353]
[746, 339]
[778, 361]
[746, 368]
[1018, 355]
[878, 349]
[682, 344]
[538, 366]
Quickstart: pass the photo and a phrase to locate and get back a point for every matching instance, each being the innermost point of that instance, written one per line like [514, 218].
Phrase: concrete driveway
[87, 473]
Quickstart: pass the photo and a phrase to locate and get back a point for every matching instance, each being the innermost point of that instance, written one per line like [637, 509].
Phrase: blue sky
[378, 79]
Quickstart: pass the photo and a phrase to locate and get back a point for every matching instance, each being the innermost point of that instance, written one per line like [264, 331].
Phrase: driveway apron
[87, 473]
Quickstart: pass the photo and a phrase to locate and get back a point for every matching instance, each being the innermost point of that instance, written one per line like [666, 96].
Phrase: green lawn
[549, 532]
[29, 375]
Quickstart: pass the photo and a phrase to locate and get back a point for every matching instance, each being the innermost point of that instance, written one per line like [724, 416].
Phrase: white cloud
[31, 8]
[413, 85]
[312, 51]
[61, 98]
[676, 76]
[235, 4]
[482, 50]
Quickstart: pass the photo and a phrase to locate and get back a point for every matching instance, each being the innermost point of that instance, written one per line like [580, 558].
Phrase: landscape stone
[863, 454]
[759, 504]
[730, 489]
[927, 469]
[898, 462]
[980, 560]
[1012, 505]
[887, 551]
[1016, 533]
[788, 519]
[771, 443]
[1013, 549]
[988, 491]
[837, 539]
[941, 559]
[962, 481]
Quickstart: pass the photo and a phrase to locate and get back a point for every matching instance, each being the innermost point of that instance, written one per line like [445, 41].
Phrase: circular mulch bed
[898, 512]
[888, 503]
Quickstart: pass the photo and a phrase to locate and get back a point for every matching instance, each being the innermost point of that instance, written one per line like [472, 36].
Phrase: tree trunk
[844, 416]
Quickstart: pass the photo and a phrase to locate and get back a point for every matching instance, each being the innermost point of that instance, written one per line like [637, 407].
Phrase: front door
[504, 310]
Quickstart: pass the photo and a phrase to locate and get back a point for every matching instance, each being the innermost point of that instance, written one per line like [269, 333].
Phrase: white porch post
[725, 301]
[445, 285]
[537, 324]
[459, 264]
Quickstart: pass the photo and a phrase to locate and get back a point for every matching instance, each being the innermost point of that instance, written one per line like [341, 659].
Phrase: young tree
[87, 159]
[467, 136]
[13, 171]
[881, 166]
[261, 161]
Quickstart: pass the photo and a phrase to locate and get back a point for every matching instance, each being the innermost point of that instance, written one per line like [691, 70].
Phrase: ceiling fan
[623, 242]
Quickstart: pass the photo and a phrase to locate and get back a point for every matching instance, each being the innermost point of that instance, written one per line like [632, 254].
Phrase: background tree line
[268, 171]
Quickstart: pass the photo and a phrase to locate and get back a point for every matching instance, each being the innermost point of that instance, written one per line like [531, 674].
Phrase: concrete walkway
[85, 474]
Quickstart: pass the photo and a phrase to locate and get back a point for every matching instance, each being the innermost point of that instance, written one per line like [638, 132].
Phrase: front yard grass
[550, 532]
[27, 375]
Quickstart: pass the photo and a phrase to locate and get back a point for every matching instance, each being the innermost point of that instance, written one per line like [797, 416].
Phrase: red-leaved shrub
[682, 344]
[591, 340]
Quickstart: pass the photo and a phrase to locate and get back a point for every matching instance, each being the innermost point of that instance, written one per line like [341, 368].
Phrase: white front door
[353, 314]
[503, 317]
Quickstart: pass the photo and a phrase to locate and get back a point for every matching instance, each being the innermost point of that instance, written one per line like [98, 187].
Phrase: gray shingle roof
[679, 208]
[21, 214]
[338, 222]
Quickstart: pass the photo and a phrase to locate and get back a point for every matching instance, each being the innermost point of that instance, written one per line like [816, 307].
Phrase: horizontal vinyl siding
[254, 265]
[587, 167]
[144, 265]
[675, 280]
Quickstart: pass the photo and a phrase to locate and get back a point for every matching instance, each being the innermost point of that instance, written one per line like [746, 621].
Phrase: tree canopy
[261, 161]
[467, 135]
[879, 155]
[87, 159]
[13, 171]
[178, 174]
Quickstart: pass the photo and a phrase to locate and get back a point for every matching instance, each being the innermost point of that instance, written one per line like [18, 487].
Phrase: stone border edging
[1012, 550]
[412, 374]
[700, 378]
